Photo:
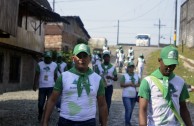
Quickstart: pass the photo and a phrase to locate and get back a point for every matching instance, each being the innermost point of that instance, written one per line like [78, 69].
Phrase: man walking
[109, 73]
[165, 93]
[46, 74]
[80, 88]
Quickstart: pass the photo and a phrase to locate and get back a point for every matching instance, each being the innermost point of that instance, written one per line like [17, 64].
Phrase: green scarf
[83, 81]
[166, 88]
[132, 77]
[106, 69]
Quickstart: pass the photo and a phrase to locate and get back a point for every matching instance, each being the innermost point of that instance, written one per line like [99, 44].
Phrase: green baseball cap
[81, 48]
[48, 54]
[169, 55]
[59, 54]
[106, 52]
[130, 64]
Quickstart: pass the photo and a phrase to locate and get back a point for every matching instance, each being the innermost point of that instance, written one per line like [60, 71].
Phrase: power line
[143, 13]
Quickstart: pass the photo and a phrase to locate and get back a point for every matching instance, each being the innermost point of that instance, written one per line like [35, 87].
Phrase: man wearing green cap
[45, 76]
[109, 73]
[80, 88]
[165, 94]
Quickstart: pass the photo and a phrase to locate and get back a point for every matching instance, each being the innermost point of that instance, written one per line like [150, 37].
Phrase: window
[14, 71]
[1, 67]
[142, 37]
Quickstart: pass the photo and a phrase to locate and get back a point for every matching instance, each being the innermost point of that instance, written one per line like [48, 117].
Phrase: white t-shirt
[121, 57]
[140, 62]
[157, 104]
[78, 108]
[62, 67]
[130, 92]
[47, 72]
[109, 72]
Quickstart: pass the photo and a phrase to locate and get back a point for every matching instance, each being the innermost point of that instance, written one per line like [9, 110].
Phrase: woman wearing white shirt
[129, 82]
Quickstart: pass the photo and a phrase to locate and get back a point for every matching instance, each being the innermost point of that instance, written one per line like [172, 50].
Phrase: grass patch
[185, 51]
[152, 64]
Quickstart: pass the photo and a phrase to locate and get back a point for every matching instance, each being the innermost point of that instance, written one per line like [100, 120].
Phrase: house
[186, 34]
[63, 37]
[22, 33]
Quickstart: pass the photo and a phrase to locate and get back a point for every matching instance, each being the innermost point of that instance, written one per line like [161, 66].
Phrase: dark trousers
[43, 95]
[65, 122]
[108, 95]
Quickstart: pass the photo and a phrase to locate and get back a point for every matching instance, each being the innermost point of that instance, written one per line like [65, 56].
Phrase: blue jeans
[65, 122]
[108, 95]
[129, 104]
[43, 95]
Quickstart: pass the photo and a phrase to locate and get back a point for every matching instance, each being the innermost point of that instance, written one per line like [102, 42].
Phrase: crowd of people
[78, 92]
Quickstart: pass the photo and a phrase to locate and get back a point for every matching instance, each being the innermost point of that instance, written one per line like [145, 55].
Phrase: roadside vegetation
[180, 70]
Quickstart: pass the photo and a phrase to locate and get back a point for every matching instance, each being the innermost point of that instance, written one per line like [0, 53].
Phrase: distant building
[186, 34]
[22, 25]
[97, 42]
[61, 36]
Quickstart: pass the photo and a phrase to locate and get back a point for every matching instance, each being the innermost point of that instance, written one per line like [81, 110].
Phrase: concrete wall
[187, 23]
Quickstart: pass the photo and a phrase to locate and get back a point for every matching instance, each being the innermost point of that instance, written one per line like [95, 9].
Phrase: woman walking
[129, 82]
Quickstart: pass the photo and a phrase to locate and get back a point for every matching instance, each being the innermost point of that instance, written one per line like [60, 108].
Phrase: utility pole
[53, 5]
[118, 33]
[175, 23]
[159, 27]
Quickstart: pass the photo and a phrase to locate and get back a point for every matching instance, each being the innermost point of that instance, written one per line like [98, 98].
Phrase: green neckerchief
[132, 77]
[166, 88]
[106, 69]
[83, 81]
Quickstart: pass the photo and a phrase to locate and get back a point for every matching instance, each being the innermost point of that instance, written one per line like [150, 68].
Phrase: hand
[109, 77]
[132, 84]
[44, 124]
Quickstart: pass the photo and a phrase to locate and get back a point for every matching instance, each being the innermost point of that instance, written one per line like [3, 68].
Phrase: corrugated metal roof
[44, 3]
[41, 9]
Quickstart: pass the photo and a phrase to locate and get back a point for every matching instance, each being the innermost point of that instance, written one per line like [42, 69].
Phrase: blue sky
[100, 18]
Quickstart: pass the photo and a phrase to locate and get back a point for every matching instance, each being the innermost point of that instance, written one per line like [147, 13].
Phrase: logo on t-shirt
[74, 82]
[172, 88]
[47, 68]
